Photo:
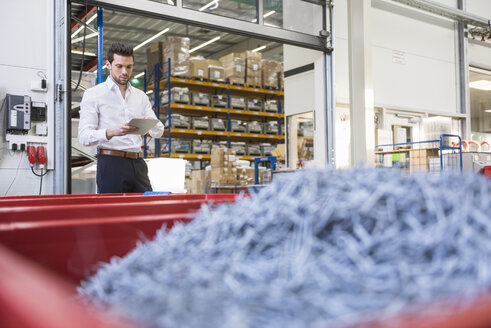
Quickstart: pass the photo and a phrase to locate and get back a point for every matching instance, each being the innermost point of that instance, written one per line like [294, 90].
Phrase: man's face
[121, 69]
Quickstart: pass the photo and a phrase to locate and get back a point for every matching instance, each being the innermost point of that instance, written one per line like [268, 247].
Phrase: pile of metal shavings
[318, 248]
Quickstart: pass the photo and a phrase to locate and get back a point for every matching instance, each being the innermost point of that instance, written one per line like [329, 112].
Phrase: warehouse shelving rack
[163, 79]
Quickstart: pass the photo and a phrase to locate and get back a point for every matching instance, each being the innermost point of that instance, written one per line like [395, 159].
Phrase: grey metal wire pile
[316, 248]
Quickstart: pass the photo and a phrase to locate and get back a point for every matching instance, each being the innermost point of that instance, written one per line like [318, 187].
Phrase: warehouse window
[480, 94]
[238, 9]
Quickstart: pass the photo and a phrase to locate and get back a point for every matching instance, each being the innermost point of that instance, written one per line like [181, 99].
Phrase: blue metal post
[169, 111]
[145, 136]
[229, 122]
[279, 112]
[100, 54]
[156, 102]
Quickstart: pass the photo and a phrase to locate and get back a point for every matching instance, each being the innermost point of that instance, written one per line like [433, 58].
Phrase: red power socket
[31, 155]
[41, 156]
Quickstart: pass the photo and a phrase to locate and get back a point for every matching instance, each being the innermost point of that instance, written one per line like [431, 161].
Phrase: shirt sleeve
[88, 134]
[158, 130]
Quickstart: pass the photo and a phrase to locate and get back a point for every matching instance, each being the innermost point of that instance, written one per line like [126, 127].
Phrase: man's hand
[120, 130]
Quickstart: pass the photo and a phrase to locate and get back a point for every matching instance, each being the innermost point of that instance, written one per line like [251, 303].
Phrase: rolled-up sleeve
[88, 134]
[158, 130]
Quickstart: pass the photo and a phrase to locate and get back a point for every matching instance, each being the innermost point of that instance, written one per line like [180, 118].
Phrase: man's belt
[120, 153]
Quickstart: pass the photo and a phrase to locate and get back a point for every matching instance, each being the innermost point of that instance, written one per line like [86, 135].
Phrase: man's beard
[118, 81]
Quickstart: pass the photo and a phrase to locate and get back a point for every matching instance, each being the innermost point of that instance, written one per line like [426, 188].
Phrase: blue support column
[156, 101]
[100, 54]
[279, 112]
[229, 123]
[169, 111]
[145, 136]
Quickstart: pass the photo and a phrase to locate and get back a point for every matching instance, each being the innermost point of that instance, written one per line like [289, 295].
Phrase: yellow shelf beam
[251, 114]
[175, 132]
[224, 86]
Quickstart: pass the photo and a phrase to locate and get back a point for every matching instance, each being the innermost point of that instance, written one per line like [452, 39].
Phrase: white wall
[27, 32]
[479, 7]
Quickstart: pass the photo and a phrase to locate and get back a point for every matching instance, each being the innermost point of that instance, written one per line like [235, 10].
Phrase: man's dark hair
[119, 48]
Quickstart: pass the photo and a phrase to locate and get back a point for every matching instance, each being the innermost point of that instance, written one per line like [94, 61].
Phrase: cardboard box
[177, 49]
[154, 55]
[198, 68]
[197, 182]
[234, 68]
[253, 68]
[216, 71]
[269, 73]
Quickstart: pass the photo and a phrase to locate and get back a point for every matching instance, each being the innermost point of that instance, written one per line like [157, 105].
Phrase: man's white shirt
[103, 107]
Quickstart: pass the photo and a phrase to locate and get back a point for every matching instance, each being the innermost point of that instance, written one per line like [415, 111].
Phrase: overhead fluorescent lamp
[264, 16]
[208, 5]
[86, 53]
[170, 2]
[150, 39]
[82, 27]
[481, 85]
[149, 92]
[487, 110]
[258, 49]
[205, 44]
[86, 37]
[139, 75]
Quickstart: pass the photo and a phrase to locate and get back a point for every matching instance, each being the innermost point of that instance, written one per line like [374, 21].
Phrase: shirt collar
[111, 84]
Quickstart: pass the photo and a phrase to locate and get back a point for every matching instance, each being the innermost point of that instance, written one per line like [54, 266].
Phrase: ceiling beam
[82, 15]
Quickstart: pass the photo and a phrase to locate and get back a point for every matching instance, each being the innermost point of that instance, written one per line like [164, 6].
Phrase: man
[105, 112]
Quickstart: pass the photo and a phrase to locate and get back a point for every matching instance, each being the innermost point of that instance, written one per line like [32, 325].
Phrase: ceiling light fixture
[139, 75]
[487, 110]
[481, 85]
[86, 37]
[79, 52]
[149, 92]
[86, 23]
[258, 49]
[205, 44]
[264, 16]
[208, 5]
[150, 39]
[170, 2]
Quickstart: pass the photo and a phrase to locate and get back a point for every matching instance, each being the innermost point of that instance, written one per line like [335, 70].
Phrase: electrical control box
[18, 113]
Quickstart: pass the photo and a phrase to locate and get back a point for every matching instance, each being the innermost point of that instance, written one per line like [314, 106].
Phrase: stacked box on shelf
[182, 146]
[201, 98]
[267, 149]
[154, 55]
[216, 72]
[179, 121]
[218, 124]
[219, 101]
[237, 102]
[245, 175]
[253, 149]
[177, 49]
[271, 127]
[201, 123]
[239, 147]
[178, 95]
[219, 144]
[253, 68]
[269, 74]
[238, 126]
[234, 68]
[223, 166]
[198, 68]
[254, 104]
[201, 146]
[254, 127]
[271, 105]
[281, 76]
[198, 181]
